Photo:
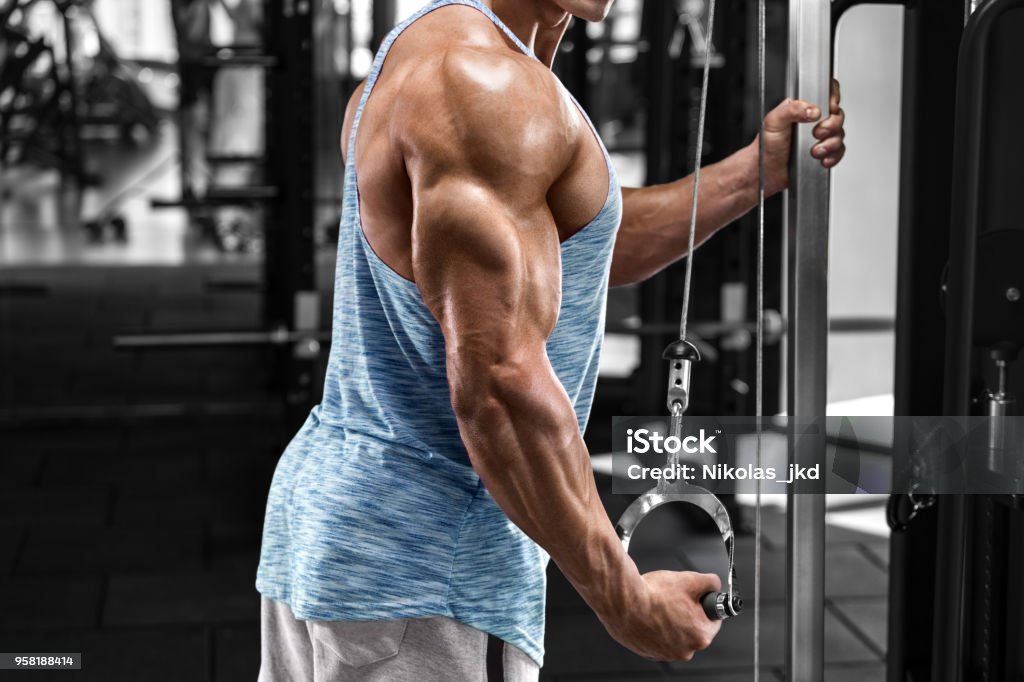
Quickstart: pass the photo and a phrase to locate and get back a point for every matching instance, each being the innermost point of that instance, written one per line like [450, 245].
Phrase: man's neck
[540, 24]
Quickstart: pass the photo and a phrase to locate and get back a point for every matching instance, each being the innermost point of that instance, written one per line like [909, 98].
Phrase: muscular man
[411, 518]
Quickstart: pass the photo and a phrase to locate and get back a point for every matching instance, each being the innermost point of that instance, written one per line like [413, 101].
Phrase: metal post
[331, 90]
[931, 41]
[73, 126]
[290, 279]
[808, 75]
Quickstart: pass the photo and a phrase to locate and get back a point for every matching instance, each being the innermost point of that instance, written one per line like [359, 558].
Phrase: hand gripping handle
[717, 605]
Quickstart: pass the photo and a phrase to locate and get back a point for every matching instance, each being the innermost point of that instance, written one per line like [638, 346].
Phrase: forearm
[655, 227]
[523, 440]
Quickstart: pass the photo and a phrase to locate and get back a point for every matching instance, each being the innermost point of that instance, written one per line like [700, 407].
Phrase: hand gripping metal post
[717, 605]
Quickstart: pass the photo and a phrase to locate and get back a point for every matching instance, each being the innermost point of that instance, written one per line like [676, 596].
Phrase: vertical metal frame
[289, 277]
[931, 40]
[807, 221]
[967, 640]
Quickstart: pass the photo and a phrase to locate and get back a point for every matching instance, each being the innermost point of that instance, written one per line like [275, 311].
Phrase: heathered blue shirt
[375, 511]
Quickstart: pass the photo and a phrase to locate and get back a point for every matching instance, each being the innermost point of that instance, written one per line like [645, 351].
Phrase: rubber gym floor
[134, 539]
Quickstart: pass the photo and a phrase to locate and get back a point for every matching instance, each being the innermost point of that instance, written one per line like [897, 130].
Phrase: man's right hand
[668, 622]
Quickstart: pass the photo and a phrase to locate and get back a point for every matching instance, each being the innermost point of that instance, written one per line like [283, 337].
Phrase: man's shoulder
[493, 101]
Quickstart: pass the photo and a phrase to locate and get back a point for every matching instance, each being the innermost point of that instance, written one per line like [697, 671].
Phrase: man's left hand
[778, 130]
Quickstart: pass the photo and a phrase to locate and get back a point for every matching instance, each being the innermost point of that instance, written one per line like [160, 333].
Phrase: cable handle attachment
[681, 355]
[716, 605]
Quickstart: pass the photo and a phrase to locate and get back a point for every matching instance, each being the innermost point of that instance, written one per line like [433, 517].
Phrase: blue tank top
[375, 511]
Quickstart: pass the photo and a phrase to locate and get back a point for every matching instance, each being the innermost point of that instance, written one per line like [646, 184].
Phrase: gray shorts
[408, 650]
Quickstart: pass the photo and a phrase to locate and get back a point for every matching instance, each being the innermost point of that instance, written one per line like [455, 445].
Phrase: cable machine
[954, 576]
[806, 208]
[959, 329]
[981, 537]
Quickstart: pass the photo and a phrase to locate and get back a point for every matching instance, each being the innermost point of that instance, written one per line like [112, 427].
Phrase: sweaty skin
[480, 150]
